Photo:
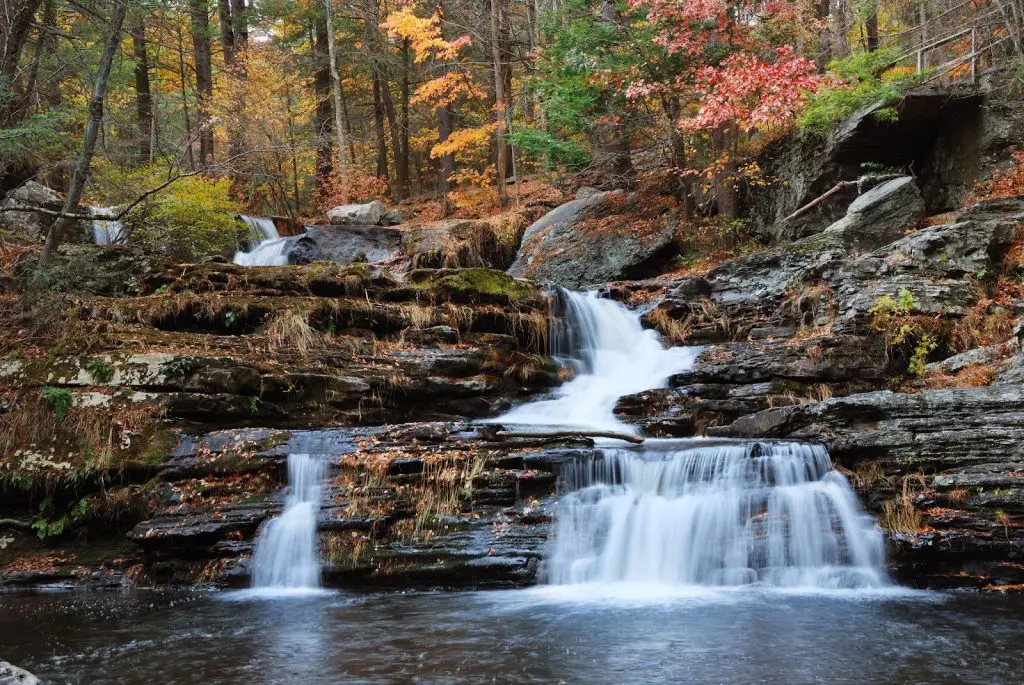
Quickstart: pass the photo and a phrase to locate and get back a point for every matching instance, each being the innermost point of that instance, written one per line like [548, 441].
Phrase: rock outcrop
[596, 238]
[372, 213]
[12, 675]
[19, 205]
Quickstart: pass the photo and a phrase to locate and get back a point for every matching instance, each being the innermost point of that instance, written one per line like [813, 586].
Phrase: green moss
[472, 284]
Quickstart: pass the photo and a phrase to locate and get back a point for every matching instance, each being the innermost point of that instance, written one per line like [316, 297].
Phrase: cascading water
[286, 556]
[266, 246]
[614, 356]
[107, 232]
[687, 512]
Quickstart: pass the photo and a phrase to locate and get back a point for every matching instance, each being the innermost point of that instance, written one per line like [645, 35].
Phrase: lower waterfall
[692, 511]
[286, 554]
[686, 513]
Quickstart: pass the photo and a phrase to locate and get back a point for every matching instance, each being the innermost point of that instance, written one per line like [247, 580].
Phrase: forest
[460, 108]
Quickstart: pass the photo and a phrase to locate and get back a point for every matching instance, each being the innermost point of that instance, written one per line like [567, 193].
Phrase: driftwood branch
[842, 185]
[15, 523]
[502, 435]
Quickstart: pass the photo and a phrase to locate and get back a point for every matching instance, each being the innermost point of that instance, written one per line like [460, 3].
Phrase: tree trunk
[871, 27]
[839, 28]
[227, 36]
[401, 189]
[378, 124]
[614, 138]
[499, 101]
[240, 25]
[92, 128]
[14, 31]
[143, 96]
[402, 155]
[200, 19]
[445, 119]
[339, 126]
[183, 83]
[322, 88]
[46, 44]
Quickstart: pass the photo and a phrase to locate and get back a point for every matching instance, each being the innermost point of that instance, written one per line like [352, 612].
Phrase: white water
[107, 232]
[286, 557]
[614, 356]
[680, 513]
[718, 514]
[266, 246]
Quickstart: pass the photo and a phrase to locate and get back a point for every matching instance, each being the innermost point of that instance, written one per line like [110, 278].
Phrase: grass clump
[58, 400]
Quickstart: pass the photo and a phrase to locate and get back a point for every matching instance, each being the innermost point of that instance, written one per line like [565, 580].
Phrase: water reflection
[740, 636]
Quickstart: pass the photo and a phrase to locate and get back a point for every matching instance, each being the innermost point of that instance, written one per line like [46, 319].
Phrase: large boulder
[882, 214]
[29, 196]
[368, 214]
[594, 239]
[346, 245]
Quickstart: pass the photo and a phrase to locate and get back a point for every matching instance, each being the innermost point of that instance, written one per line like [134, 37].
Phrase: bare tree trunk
[499, 100]
[402, 156]
[444, 126]
[614, 138]
[322, 88]
[199, 13]
[240, 25]
[227, 35]
[14, 31]
[839, 27]
[143, 94]
[871, 26]
[378, 124]
[184, 99]
[339, 126]
[92, 128]
[46, 44]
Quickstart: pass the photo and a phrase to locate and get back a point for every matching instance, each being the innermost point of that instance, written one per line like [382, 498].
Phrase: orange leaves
[466, 143]
[447, 89]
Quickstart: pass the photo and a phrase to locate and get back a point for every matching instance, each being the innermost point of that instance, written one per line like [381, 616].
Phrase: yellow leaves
[445, 90]
[423, 34]
[466, 143]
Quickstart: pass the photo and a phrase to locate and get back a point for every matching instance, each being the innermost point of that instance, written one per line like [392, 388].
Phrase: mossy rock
[108, 270]
[473, 286]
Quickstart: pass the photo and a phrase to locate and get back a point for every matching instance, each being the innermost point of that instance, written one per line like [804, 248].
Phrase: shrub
[57, 399]
[192, 219]
[861, 80]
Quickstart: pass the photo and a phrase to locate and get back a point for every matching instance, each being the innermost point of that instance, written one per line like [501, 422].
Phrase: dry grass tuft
[291, 330]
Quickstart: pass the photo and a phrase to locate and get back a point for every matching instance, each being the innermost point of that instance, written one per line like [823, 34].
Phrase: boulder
[12, 675]
[595, 239]
[882, 214]
[368, 214]
[29, 223]
[344, 244]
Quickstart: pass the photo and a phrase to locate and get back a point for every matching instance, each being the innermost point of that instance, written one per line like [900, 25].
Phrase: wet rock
[584, 241]
[12, 675]
[368, 214]
[346, 244]
[881, 215]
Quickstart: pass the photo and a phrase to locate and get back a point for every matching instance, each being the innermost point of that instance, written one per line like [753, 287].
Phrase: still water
[580, 634]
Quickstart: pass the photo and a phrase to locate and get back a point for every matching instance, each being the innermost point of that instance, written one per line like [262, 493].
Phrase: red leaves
[752, 93]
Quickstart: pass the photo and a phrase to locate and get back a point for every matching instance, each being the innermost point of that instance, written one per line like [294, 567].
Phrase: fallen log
[821, 198]
[502, 435]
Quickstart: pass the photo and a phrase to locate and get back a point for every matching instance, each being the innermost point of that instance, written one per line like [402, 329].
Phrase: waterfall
[613, 355]
[266, 246]
[702, 513]
[106, 232]
[286, 556]
[686, 512]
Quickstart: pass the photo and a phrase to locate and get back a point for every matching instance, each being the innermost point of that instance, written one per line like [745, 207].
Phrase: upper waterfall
[266, 246]
[614, 356]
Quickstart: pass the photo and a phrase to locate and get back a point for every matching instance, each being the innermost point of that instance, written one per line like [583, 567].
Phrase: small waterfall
[686, 513]
[286, 556]
[613, 355]
[105, 232]
[266, 246]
